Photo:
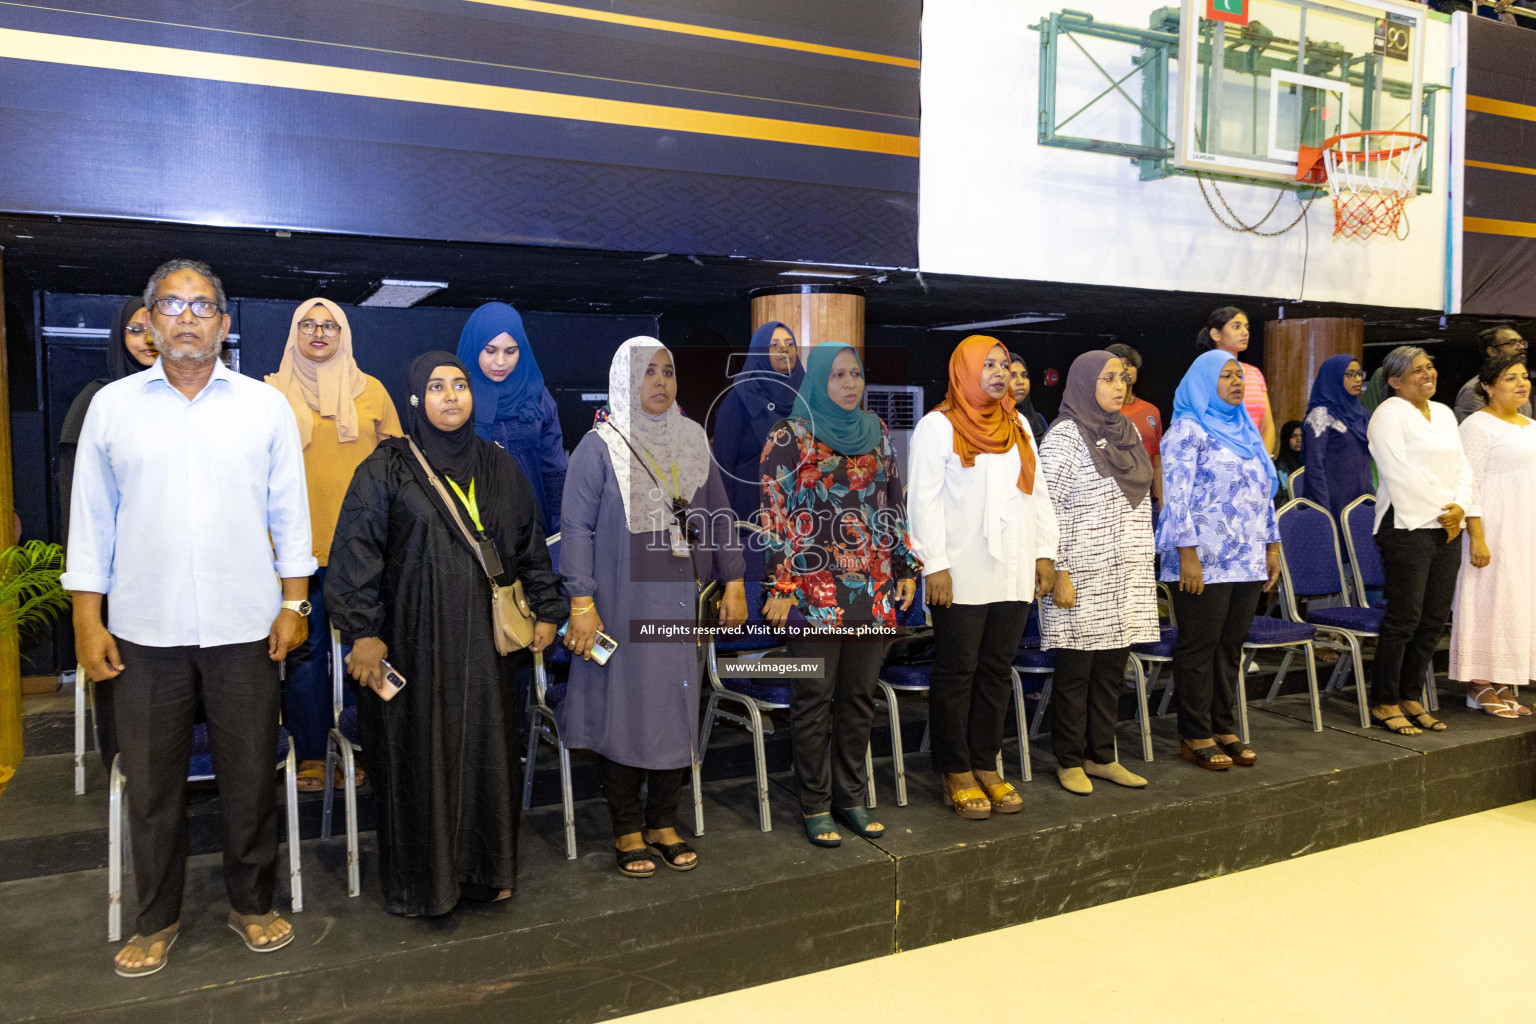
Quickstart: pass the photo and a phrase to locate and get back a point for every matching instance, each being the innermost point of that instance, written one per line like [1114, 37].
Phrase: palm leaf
[30, 595]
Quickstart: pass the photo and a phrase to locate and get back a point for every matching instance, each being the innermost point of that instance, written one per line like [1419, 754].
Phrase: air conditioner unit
[900, 406]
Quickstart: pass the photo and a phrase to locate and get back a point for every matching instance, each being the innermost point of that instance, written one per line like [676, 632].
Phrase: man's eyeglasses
[330, 328]
[201, 308]
[1354, 375]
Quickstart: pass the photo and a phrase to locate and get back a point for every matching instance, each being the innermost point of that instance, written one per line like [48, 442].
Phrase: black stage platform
[579, 943]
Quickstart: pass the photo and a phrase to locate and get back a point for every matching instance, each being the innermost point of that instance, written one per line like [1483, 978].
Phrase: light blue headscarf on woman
[850, 432]
[517, 397]
[1229, 425]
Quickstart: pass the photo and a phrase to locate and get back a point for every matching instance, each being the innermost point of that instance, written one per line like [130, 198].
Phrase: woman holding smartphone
[407, 591]
[642, 501]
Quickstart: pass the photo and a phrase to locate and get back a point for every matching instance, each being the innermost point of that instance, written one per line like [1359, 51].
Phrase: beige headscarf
[329, 388]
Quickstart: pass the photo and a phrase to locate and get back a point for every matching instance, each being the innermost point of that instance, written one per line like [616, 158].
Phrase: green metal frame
[1159, 43]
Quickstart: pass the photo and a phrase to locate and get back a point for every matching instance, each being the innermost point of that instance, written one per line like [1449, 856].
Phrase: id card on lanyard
[675, 537]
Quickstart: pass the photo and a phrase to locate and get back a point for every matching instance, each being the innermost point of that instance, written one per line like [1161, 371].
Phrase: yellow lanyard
[676, 488]
[470, 505]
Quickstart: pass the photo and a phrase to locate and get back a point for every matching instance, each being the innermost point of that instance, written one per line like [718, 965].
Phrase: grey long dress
[642, 708]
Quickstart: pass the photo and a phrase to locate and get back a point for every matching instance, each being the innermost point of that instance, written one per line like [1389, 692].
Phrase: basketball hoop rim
[1377, 154]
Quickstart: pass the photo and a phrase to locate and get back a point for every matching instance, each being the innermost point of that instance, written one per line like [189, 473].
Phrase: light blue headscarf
[517, 397]
[1229, 425]
[850, 432]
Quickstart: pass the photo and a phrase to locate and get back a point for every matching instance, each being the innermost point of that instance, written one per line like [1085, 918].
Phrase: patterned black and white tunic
[1105, 546]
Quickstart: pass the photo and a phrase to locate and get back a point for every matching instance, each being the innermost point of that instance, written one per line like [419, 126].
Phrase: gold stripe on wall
[1504, 108]
[1489, 226]
[682, 27]
[1511, 168]
[112, 55]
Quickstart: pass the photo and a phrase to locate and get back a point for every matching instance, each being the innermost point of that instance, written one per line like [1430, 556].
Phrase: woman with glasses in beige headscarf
[342, 414]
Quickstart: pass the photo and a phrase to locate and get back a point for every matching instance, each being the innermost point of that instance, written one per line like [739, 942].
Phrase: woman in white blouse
[1493, 636]
[982, 523]
[1426, 491]
[1105, 600]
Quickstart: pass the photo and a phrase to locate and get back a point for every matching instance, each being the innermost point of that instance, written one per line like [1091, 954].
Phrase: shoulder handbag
[706, 605]
[512, 620]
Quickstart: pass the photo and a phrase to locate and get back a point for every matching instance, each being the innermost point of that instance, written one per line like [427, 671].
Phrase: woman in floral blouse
[836, 550]
[1218, 540]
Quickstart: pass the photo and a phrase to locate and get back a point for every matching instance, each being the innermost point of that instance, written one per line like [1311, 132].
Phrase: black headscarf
[1288, 461]
[1026, 408]
[1113, 443]
[455, 453]
[119, 365]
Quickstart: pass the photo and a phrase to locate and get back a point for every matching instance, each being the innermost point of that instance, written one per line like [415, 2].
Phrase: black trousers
[621, 788]
[153, 703]
[830, 719]
[1208, 653]
[1421, 568]
[973, 650]
[1085, 704]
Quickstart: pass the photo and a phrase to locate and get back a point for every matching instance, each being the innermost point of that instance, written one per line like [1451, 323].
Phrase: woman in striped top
[1226, 329]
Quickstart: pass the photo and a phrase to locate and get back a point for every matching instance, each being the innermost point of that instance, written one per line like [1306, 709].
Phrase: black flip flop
[670, 852]
[624, 858]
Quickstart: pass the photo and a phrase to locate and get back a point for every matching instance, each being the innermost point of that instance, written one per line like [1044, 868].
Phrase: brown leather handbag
[512, 620]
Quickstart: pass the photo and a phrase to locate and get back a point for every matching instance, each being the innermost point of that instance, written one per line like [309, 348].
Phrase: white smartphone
[392, 683]
[603, 645]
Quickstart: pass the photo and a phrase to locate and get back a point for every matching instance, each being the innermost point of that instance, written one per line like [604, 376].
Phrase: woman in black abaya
[404, 584]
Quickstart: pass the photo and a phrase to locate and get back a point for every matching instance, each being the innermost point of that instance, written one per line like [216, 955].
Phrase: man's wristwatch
[302, 607]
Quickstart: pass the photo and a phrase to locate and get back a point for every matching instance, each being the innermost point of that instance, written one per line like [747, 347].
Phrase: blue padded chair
[895, 680]
[1293, 483]
[199, 769]
[341, 743]
[1370, 575]
[755, 697]
[1311, 568]
[543, 698]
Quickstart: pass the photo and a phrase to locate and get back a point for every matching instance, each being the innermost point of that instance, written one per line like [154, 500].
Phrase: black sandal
[670, 852]
[1240, 753]
[1205, 757]
[1406, 729]
[1428, 721]
[624, 858]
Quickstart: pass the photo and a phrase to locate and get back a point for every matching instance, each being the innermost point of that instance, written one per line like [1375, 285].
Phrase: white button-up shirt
[976, 522]
[178, 506]
[1420, 463]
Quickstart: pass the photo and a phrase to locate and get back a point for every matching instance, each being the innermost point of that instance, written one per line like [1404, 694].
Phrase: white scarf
[670, 440]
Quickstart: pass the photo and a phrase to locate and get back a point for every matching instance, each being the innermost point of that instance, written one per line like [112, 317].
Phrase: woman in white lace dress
[1493, 634]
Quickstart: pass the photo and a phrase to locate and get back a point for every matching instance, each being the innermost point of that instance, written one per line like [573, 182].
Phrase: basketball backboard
[1260, 78]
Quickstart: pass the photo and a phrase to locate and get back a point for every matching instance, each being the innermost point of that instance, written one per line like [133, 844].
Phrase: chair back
[1310, 565]
[1359, 534]
[553, 543]
[540, 670]
[1293, 484]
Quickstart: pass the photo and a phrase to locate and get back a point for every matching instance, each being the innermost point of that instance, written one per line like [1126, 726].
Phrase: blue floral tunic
[1215, 501]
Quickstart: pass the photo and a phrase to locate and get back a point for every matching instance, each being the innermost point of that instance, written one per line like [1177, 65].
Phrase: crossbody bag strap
[442, 492]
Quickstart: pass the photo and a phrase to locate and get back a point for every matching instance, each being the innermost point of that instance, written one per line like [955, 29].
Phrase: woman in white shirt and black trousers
[982, 523]
[1426, 491]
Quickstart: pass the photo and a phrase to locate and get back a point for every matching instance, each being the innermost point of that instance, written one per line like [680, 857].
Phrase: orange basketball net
[1370, 175]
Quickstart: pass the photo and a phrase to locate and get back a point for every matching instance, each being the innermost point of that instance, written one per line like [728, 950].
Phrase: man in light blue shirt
[188, 507]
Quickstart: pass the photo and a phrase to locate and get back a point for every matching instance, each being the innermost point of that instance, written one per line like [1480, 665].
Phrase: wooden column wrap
[1294, 349]
[815, 312]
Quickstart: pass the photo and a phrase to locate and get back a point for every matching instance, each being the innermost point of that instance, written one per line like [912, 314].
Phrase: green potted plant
[30, 597]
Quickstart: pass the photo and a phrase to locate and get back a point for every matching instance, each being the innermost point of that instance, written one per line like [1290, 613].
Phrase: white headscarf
[670, 440]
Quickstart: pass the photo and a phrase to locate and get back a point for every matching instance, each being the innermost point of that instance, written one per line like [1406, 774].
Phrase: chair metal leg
[1242, 697]
[1431, 688]
[115, 854]
[1285, 666]
[1362, 685]
[291, 792]
[1317, 707]
[354, 866]
[1019, 718]
[760, 760]
[328, 801]
[869, 776]
[1045, 698]
[698, 798]
[531, 758]
[898, 756]
[567, 802]
[1143, 718]
[80, 685]
[1162, 707]
[926, 743]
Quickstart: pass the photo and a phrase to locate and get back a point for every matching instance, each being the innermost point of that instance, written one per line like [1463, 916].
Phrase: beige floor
[1323, 945]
